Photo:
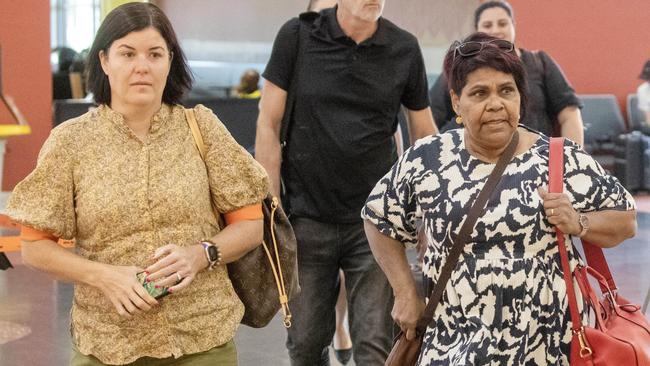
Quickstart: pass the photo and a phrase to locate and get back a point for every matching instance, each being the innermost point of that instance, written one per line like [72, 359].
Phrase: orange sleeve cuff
[252, 212]
[30, 234]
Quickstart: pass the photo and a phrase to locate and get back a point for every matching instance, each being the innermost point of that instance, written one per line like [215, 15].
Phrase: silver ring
[178, 275]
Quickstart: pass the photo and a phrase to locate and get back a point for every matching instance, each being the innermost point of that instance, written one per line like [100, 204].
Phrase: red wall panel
[27, 77]
[601, 45]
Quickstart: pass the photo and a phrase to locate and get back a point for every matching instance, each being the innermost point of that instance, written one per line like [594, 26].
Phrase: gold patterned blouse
[121, 199]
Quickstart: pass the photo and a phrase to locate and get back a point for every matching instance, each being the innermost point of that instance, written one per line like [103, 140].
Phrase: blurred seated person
[77, 75]
[62, 59]
[248, 85]
[643, 94]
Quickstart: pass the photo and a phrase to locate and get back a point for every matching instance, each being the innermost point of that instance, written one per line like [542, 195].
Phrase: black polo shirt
[345, 114]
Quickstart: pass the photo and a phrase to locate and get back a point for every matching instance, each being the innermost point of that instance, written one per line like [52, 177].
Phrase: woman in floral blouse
[126, 181]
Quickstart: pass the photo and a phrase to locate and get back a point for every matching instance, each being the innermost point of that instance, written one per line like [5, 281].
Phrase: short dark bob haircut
[458, 68]
[133, 17]
[493, 4]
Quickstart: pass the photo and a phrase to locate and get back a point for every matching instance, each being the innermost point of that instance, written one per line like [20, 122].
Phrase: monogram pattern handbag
[621, 334]
[266, 278]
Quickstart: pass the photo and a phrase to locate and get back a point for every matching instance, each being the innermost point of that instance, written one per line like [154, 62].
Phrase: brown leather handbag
[266, 278]
[621, 334]
[405, 352]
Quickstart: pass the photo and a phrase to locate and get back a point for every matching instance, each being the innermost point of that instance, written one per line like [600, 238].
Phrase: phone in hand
[156, 293]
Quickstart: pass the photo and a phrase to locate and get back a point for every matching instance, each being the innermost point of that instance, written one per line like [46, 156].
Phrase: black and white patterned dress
[505, 303]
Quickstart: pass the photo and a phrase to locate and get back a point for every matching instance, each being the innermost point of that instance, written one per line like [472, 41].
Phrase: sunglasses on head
[471, 48]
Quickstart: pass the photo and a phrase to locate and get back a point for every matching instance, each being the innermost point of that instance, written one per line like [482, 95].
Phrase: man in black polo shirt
[346, 71]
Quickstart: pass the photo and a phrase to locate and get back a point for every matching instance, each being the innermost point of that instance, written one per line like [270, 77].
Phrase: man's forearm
[571, 125]
[269, 154]
[420, 124]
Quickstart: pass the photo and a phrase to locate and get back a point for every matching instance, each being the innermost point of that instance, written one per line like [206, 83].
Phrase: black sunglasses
[471, 48]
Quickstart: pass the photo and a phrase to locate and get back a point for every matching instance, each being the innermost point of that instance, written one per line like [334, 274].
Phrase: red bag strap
[555, 185]
[593, 253]
[596, 260]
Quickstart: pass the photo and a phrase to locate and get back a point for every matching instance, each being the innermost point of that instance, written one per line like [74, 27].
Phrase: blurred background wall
[600, 44]
[26, 76]
[221, 30]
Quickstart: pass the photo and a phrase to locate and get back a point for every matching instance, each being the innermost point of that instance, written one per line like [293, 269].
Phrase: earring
[459, 120]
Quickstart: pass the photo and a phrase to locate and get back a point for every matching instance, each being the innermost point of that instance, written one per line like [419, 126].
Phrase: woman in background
[643, 94]
[554, 108]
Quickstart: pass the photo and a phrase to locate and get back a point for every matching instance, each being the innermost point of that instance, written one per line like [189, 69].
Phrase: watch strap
[583, 228]
[207, 244]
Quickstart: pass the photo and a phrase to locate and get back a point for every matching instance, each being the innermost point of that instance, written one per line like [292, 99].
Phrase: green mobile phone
[156, 293]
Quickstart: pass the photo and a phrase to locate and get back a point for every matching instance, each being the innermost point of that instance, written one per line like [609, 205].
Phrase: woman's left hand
[176, 266]
[560, 212]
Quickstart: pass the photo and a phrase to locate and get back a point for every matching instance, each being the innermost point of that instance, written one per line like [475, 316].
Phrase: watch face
[213, 252]
[584, 221]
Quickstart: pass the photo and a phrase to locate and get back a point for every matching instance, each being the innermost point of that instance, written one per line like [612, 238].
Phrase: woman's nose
[494, 103]
[498, 34]
[141, 64]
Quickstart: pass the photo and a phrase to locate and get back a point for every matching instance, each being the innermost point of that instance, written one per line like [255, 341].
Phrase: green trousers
[225, 355]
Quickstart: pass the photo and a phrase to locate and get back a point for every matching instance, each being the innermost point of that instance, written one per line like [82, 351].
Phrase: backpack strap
[305, 20]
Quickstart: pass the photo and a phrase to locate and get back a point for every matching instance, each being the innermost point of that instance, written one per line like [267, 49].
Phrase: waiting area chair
[65, 109]
[636, 118]
[603, 123]
[238, 115]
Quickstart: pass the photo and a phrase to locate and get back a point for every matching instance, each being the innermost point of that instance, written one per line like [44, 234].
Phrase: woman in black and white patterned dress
[506, 301]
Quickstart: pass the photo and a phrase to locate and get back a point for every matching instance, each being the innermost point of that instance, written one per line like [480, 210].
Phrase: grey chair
[238, 115]
[65, 109]
[603, 123]
[635, 117]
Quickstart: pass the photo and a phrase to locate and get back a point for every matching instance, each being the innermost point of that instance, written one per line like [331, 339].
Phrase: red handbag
[621, 333]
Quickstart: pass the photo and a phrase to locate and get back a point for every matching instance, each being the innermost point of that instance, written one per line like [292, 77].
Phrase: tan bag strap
[276, 267]
[277, 271]
[196, 133]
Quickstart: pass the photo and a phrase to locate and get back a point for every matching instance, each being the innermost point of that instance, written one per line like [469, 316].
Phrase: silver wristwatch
[212, 253]
[583, 220]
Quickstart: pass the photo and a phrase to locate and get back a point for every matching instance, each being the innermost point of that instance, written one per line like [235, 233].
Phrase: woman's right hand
[122, 288]
[407, 310]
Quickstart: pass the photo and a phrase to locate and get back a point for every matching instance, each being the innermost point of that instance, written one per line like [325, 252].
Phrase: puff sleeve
[590, 186]
[236, 179]
[44, 200]
[392, 205]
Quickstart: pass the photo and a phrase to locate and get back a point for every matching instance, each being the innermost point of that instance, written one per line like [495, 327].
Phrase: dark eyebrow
[483, 86]
[151, 49]
[476, 87]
